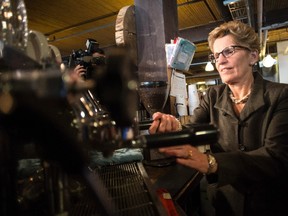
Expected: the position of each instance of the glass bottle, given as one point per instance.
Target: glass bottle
(13, 23)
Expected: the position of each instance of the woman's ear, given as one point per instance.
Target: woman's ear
(254, 56)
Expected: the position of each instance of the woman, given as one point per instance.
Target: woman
(247, 170)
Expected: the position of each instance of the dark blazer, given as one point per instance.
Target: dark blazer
(252, 149)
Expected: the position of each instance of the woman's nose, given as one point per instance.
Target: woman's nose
(221, 58)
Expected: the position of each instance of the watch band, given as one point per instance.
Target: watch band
(212, 164)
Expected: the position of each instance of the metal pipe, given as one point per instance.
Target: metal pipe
(248, 12)
(54, 39)
(82, 23)
(260, 21)
(275, 26)
(263, 51)
(198, 63)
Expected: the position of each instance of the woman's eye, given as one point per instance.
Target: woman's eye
(227, 52)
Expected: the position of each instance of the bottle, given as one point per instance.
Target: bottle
(14, 24)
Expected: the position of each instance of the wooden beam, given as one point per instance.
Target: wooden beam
(199, 33)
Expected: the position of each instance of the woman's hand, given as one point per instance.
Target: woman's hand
(186, 155)
(164, 123)
(189, 156)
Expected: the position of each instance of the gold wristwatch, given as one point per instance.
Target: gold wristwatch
(212, 164)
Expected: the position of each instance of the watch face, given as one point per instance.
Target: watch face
(211, 161)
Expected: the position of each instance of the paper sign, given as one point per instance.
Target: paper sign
(178, 84)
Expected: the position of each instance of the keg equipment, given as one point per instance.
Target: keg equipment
(49, 123)
(36, 133)
(36, 125)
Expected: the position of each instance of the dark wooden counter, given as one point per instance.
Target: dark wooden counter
(181, 182)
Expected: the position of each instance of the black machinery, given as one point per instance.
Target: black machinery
(49, 123)
(40, 123)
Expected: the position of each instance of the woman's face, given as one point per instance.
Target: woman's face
(237, 67)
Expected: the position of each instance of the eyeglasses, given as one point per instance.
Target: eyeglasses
(226, 52)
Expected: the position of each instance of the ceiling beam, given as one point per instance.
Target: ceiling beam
(199, 33)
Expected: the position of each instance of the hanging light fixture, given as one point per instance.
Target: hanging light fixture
(209, 66)
(268, 61)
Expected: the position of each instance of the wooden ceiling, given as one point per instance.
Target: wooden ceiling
(68, 23)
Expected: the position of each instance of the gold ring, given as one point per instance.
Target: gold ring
(190, 154)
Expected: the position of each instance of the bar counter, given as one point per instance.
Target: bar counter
(181, 182)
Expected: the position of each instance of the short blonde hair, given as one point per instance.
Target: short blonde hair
(243, 34)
